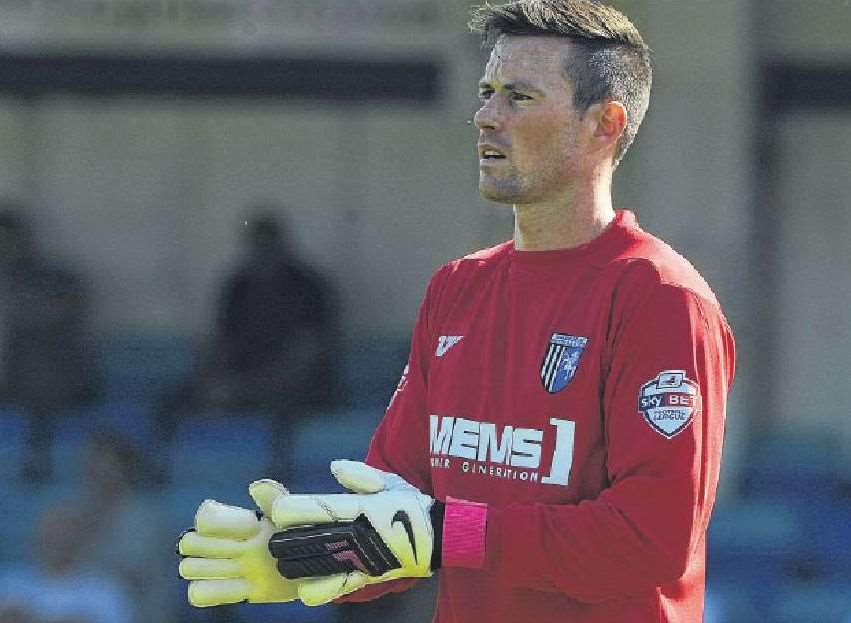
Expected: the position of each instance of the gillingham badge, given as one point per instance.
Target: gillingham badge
(561, 361)
(669, 402)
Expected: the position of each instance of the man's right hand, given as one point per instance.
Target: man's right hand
(226, 555)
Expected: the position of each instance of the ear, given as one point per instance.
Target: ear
(610, 118)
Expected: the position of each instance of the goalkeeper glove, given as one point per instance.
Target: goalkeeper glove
(227, 557)
(387, 529)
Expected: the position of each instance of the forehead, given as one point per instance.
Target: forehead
(528, 59)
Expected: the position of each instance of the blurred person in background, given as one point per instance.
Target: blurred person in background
(55, 587)
(12, 611)
(45, 360)
(110, 503)
(272, 343)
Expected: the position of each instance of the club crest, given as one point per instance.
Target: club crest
(561, 361)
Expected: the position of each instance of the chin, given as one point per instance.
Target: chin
(499, 193)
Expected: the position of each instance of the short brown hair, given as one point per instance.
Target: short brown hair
(611, 59)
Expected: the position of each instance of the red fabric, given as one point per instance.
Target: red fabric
(464, 527)
(598, 506)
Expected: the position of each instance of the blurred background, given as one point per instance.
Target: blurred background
(218, 217)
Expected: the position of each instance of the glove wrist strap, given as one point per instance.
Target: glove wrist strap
(437, 512)
(464, 532)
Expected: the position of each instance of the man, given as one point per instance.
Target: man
(554, 445)
(45, 355)
(273, 330)
(272, 339)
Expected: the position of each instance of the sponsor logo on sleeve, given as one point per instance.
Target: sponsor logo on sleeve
(669, 402)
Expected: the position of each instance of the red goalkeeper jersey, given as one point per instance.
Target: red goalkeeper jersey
(580, 394)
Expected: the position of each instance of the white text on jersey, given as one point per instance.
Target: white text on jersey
(479, 443)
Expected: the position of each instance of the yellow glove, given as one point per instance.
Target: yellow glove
(227, 554)
(399, 515)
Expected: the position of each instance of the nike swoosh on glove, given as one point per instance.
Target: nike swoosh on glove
(408, 522)
(226, 554)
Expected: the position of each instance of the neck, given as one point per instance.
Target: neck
(576, 218)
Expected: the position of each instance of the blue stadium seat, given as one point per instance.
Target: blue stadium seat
(730, 602)
(782, 465)
(370, 371)
(812, 603)
(325, 436)
(22, 507)
(132, 419)
(753, 544)
(829, 548)
(140, 365)
(189, 614)
(74, 427)
(213, 448)
(293, 612)
(14, 431)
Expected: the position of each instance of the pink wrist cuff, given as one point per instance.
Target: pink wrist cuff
(464, 529)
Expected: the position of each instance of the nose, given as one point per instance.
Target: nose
(487, 117)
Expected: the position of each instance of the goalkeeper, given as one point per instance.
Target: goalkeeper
(552, 450)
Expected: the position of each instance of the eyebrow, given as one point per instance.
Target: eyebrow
(517, 85)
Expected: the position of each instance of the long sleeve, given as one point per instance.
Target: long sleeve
(663, 397)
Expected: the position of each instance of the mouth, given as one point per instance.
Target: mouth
(490, 154)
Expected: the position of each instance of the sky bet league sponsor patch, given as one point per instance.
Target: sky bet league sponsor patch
(561, 361)
(669, 402)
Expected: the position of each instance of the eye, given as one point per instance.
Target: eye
(520, 97)
(485, 94)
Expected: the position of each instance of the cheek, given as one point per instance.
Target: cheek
(545, 144)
